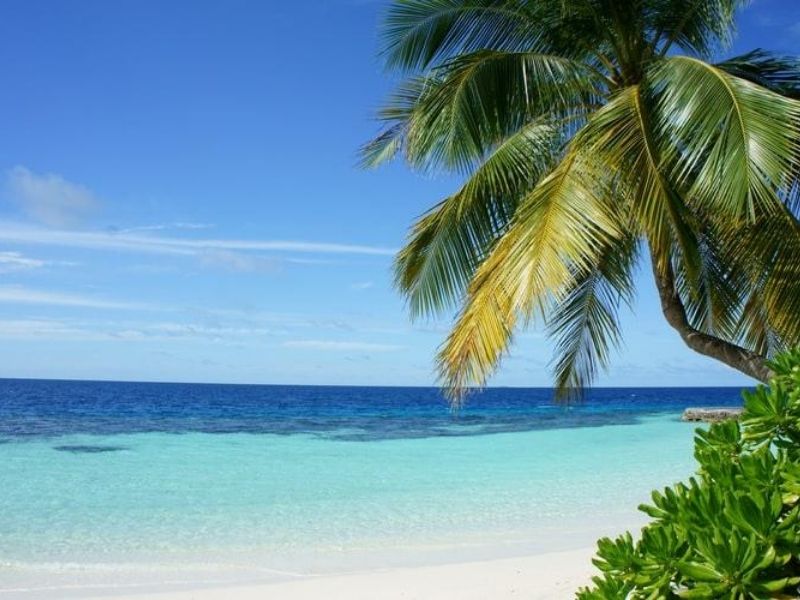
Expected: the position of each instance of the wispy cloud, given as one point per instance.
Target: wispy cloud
(72, 330)
(15, 261)
(110, 240)
(260, 318)
(163, 226)
(186, 331)
(49, 198)
(138, 330)
(183, 329)
(240, 262)
(40, 329)
(334, 346)
(11, 262)
(362, 285)
(22, 295)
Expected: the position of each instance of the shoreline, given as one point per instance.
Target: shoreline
(547, 576)
(547, 570)
(546, 565)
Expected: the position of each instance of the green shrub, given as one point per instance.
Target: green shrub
(733, 530)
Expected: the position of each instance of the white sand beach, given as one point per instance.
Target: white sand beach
(551, 576)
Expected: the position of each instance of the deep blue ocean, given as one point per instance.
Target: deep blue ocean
(32, 408)
(105, 485)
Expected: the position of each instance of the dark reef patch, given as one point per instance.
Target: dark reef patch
(86, 449)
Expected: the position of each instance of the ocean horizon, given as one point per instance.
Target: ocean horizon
(356, 385)
(110, 485)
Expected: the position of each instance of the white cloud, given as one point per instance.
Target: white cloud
(96, 240)
(280, 331)
(22, 295)
(16, 261)
(49, 198)
(239, 262)
(362, 285)
(163, 226)
(39, 328)
(130, 331)
(185, 331)
(332, 346)
(253, 317)
(185, 225)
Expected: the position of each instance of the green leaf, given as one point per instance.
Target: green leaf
(732, 144)
(699, 572)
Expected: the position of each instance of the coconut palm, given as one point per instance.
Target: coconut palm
(594, 135)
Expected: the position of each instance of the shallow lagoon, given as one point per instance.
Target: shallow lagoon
(142, 483)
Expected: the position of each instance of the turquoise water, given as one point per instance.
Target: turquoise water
(82, 509)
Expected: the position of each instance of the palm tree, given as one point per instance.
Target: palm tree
(591, 133)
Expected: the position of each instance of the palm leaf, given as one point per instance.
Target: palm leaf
(780, 74)
(447, 244)
(419, 33)
(452, 117)
(626, 143)
(585, 323)
(697, 26)
(396, 115)
(770, 251)
(714, 294)
(731, 144)
(560, 227)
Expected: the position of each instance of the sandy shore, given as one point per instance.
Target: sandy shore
(553, 576)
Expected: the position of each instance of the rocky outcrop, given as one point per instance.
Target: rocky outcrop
(711, 415)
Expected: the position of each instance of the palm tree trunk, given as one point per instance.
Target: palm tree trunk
(744, 360)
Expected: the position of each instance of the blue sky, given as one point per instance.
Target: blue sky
(179, 201)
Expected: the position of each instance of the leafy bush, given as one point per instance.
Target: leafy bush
(732, 531)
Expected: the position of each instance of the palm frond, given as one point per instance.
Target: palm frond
(699, 27)
(754, 328)
(770, 251)
(585, 323)
(731, 144)
(419, 33)
(780, 74)
(714, 294)
(396, 115)
(625, 141)
(451, 118)
(384, 147)
(560, 227)
(447, 244)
